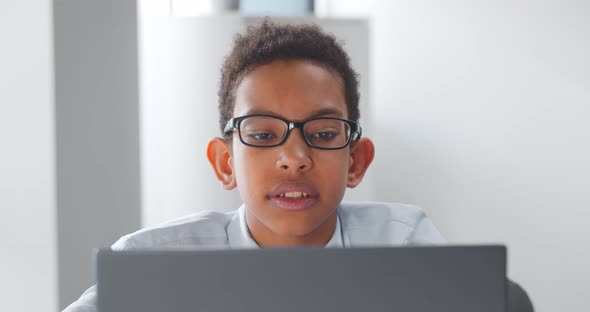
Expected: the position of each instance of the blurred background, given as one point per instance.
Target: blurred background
(479, 111)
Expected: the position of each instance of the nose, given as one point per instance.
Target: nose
(294, 155)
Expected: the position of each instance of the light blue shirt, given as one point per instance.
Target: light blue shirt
(358, 225)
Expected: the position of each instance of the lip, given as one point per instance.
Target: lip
(293, 204)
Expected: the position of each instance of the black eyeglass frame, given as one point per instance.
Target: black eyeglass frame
(355, 132)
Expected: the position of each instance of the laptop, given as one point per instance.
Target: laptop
(409, 279)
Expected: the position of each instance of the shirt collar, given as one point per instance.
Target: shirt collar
(239, 236)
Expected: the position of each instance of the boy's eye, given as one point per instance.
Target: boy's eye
(323, 136)
(261, 136)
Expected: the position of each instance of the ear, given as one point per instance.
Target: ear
(361, 156)
(220, 158)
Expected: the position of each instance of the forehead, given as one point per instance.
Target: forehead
(294, 89)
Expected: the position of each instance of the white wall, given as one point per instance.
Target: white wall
(482, 109)
(28, 278)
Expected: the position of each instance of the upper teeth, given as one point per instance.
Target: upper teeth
(295, 195)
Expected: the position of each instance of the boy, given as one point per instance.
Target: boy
(291, 144)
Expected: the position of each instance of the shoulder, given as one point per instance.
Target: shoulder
(376, 223)
(202, 229)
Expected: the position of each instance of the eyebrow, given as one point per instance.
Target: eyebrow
(316, 113)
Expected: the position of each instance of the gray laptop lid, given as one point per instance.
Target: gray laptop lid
(457, 279)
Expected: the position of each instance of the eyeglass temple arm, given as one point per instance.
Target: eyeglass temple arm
(229, 126)
(358, 130)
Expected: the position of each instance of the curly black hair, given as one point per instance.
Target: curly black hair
(270, 41)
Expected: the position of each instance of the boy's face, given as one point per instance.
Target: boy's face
(266, 177)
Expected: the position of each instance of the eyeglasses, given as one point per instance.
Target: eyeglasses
(326, 133)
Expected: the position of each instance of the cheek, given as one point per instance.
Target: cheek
(334, 167)
(250, 167)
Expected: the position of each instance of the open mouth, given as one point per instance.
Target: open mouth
(294, 195)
